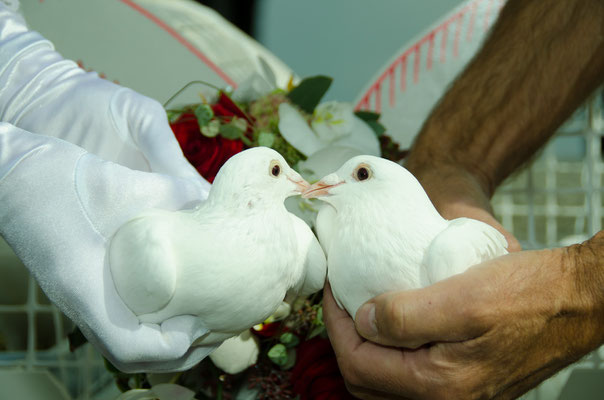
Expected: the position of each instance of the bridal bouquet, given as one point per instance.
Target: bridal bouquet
(288, 356)
(313, 137)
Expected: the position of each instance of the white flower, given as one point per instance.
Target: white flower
(237, 353)
(335, 134)
(332, 121)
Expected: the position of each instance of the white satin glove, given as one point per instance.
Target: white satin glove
(59, 206)
(42, 92)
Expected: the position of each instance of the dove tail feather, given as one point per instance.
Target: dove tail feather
(142, 265)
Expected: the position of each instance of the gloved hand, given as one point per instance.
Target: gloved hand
(60, 205)
(42, 92)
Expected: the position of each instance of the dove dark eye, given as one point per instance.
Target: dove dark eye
(362, 174)
(276, 170)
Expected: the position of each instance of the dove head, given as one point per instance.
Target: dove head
(258, 174)
(367, 179)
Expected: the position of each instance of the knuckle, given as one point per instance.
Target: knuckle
(393, 320)
(475, 314)
(350, 373)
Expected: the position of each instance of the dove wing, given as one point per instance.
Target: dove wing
(464, 243)
(325, 226)
(142, 267)
(315, 264)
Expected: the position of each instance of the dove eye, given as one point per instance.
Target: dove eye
(362, 173)
(275, 168)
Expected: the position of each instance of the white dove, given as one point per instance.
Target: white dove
(381, 233)
(230, 261)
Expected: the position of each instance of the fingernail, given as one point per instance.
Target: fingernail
(365, 320)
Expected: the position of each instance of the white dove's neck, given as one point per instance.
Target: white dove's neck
(248, 202)
(410, 216)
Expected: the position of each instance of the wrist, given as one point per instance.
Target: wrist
(448, 183)
(589, 269)
(432, 157)
(586, 261)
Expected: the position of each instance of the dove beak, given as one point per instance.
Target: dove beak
(321, 188)
(300, 183)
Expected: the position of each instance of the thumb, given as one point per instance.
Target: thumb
(144, 120)
(164, 154)
(161, 149)
(410, 319)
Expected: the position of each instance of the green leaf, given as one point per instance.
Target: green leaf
(371, 119)
(173, 115)
(291, 359)
(289, 340)
(230, 131)
(377, 128)
(278, 354)
(367, 115)
(310, 92)
(204, 114)
(246, 141)
(317, 330)
(239, 123)
(212, 129)
(319, 319)
(266, 139)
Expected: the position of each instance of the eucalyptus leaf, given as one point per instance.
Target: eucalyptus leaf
(291, 359)
(230, 131)
(246, 141)
(266, 139)
(212, 129)
(289, 340)
(319, 319)
(278, 354)
(318, 330)
(239, 123)
(204, 114)
(309, 92)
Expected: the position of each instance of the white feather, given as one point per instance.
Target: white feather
(465, 242)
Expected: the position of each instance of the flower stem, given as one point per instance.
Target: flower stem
(186, 86)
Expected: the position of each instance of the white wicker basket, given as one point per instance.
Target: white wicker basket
(557, 201)
(34, 352)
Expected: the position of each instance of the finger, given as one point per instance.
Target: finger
(487, 218)
(147, 124)
(129, 192)
(443, 312)
(339, 325)
(370, 370)
(163, 152)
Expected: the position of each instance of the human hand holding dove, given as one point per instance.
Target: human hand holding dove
(483, 333)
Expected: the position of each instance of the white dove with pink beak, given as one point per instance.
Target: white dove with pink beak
(230, 261)
(381, 233)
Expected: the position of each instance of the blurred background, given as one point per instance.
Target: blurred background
(556, 201)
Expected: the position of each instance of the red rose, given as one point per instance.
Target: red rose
(206, 154)
(316, 375)
(227, 108)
